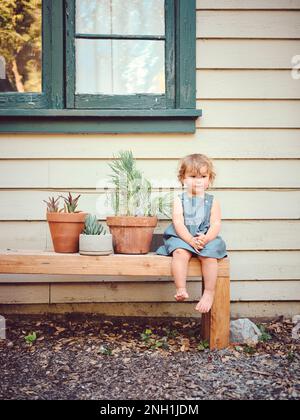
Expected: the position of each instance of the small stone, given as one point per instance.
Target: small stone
(244, 331)
(296, 332)
(296, 319)
(65, 368)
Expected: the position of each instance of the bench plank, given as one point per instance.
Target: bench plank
(119, 292)
(39, 262)
(22, 294)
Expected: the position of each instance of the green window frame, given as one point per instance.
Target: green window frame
(58, 109)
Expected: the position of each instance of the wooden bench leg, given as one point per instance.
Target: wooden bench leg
(216, 323)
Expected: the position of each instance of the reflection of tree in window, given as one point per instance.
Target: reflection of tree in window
(122, 17)
(20, 45)
(120, 66)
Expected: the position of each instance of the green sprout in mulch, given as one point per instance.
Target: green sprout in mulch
(30, 338)
(203, 345)
(265, 336)
(291, 356)
(249, 350)
(152, 342)
(171, 333)
(105, 350)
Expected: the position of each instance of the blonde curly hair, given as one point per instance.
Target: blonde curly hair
(192, 164)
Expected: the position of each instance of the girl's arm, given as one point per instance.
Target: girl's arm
(178, 221)
(215, 222)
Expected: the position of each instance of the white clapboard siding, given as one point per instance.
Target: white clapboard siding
(248, 24)
(223, 143)
(89, 173)
(265, 309)
(248, 4)
(249, 113)
(267, 265)
(238, 234)
(24, 235)
(261, 291)
(252, 204)
(24, 172)
(246, 53)
(250, 84)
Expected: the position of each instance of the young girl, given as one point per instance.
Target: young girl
(194, 232)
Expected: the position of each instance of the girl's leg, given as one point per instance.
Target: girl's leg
(210, 273)
(179, 267)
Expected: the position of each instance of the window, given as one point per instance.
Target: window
(21, 55)
(97, 66)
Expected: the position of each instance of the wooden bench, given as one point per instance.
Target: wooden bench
(214, 325)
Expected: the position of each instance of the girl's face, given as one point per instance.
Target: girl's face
(197, 182)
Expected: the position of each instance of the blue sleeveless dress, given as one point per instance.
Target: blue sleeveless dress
(196, 212)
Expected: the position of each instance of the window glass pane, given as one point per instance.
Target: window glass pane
(122, 17)
(120, 66)
(20, 45)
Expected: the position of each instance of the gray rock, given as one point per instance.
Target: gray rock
(296, 332)
(244, 331)
(296, 319)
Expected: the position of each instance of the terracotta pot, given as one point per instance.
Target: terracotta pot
(65, 229)
(131, 234)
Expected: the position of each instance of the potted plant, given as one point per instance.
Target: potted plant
(136, 211)
(94, 240)
(65, 224)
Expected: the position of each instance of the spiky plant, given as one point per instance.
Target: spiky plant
(92, 226)
(132, 192)
(70, 203)
(126, 178)
(52, 204)
(162, 205)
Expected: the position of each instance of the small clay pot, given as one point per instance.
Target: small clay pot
(65, 229)
(132, 234)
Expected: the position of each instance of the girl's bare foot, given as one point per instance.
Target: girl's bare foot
(181, 294)
(205, 303)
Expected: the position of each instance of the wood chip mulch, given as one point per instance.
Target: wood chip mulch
(107, 358)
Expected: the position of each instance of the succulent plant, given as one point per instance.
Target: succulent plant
(52, 204)
(70, 203)
(92, 226)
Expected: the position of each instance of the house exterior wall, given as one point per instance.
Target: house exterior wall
(251, 129)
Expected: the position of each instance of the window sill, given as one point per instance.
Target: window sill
(98, 121)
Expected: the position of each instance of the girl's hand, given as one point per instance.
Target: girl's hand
(201, 240)
(198, 242)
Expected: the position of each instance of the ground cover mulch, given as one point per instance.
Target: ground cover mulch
(109, 358)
